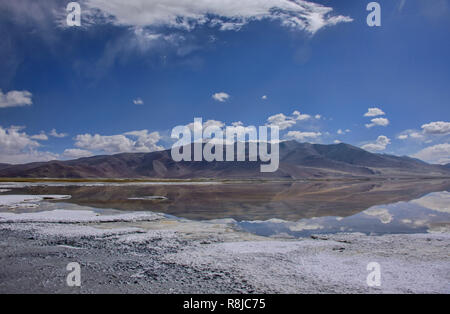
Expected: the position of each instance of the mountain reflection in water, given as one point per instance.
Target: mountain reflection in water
(249, 201)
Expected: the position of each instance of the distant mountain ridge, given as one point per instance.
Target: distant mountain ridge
(297, 161)
(4, 165)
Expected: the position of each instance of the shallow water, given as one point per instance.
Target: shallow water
(430, 213)
(290, 209)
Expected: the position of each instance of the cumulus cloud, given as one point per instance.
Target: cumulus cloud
(135, 141)
(28, 156)
(264, 97)
(222, 97)
(18, 147)
(437, 154)
(238, 129)
(439, 127)
(196, 125)
(374, 112)
(378, 122)
(380, 144)
(282, 121)
(300, 117)
(54, 133)
(138, 101)
(411, 134)
(285, 122)
(15, 98)
(226, 15)
(40, 137)
(108, 144)
(303, 136)
(75, 153)
(13, 140)
(341, 132)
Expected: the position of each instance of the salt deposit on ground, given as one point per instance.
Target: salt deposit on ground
(27, 201)
(148, 252)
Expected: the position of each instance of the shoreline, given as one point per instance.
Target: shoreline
(210, 180)
(151, 253)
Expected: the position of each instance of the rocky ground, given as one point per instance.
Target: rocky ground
(150, 253)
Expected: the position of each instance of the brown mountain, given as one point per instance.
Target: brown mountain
(297, 161)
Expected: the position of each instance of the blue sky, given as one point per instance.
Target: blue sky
(136, 69)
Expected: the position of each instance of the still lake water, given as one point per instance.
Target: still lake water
(293, 209)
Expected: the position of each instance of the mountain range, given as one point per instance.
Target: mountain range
(297, 161)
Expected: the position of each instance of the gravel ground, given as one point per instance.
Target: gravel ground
(154, 254)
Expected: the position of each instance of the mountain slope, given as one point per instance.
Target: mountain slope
(297, 161)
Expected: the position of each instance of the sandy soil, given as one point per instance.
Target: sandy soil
(149, 253)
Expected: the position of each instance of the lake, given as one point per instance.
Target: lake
(292, 209)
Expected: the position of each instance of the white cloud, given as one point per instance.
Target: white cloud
(340, 131)
(15, 98)
(12, 140)
(411, 134)
(282, 121)
(138, 101)
(439, 127)
(300, 117)
(208, 123)
(318, 116)
(416, 135)
(380, 144)
(135, 141)
(197, 126)
(18, 147)
(222, 97)
(28, 156)
(226, 15)
(378, 122)
(374, 112)
(75, 153)
(437, 154)
(54, 133)
(337, 142)
(285, 122)
(264, 97)
(303, 136)
(40, 137)
(109, 144)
